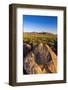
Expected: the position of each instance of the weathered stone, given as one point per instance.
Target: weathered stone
(40, 60)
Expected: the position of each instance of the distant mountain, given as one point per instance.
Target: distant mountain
(48, 33)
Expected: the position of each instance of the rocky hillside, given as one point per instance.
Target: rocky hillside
(39, 59)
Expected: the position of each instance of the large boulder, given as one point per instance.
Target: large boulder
(26, 49)
(30, 65)
(40, 60)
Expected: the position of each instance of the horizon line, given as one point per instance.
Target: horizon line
(39, 32)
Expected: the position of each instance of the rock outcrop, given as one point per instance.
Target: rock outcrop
(40, 60)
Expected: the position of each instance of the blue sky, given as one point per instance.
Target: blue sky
(34, 23)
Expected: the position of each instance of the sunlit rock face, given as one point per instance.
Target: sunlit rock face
(39, 60)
